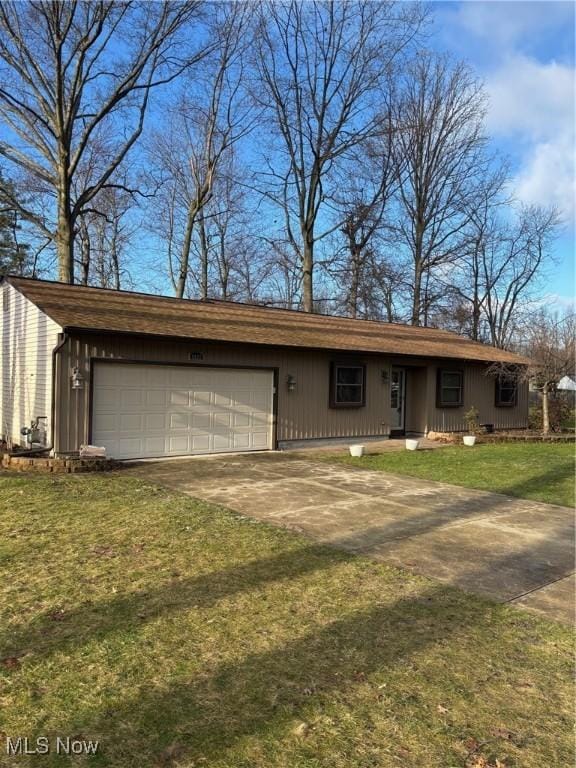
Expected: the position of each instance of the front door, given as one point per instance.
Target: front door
(397, 399)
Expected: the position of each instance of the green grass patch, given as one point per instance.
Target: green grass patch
(538, 471)
(180, 634)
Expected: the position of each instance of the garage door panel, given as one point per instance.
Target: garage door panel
(154, 446)
(259, 440)
(108, 423)
(149, 410)
(222, 400)
(131, 422)
(241, 441)
(178, 444)
(241, 420)
(108, 398)
(129, 446)
(179, 397)
(129, 397)
(222, 420)
(179, 421)
(123, 375)
(201, 398)
(201, 420)
(154, 421)
(200, 444)
(155, 397)
(222, 441)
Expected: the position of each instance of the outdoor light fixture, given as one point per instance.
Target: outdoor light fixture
(77, 379)
(291, 382)
(384, 375)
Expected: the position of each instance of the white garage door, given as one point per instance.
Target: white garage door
(162, 410)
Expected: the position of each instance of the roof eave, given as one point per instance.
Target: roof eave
(338, 350)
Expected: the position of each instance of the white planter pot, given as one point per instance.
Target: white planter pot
(412, 445)
(469, 439)
(357, 450)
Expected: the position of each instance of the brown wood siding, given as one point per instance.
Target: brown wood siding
(301, 414)
(478, 392)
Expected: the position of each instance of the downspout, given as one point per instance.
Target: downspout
(55, 352)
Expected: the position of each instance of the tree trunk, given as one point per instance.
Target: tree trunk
(475, 298)
(355, 283)
(475, 321)
(65, 237)
(545, 410)
(223, 269)
(85, 252)
(307, 269)
(416, 299)
(203, 259)
(115, 263)
(185, 252)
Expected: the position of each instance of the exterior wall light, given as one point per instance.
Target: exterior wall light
(385, 375)
(77, 380)
(291, 382)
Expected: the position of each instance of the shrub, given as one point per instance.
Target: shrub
(561, 415)
(471, 419)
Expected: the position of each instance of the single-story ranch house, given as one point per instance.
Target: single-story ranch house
(150, 376)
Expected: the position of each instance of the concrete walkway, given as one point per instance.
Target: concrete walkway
(509, 549)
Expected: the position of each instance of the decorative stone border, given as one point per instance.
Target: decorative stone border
(505, 437)
(56, 465)
(551, 437)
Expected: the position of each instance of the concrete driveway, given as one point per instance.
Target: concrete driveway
(512, 550)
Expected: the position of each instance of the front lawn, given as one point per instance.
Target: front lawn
(538, 471)
(180, 634)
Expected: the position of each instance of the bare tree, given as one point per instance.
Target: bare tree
(211, 115)
(511, 265)
(321, 66)
(104, 237)
(366, 189)
(549, 342)
(471, 280)
(226, 242)
(76, 73)
(440, 153)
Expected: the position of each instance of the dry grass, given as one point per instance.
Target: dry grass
(180, 634)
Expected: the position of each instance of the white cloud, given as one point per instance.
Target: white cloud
(511, 23)
(547, 176)
(530, 98)
(532, 105)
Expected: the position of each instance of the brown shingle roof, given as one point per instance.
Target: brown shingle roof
(98, 309)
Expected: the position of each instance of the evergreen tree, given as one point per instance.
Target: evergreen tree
(14, 256)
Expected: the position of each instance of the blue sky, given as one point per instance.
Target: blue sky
(524, 52)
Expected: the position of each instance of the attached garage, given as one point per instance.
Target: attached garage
(163, 410)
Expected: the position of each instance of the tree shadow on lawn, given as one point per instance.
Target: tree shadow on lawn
(274, 689)
(265, 691)
(563, 470)
(269, 692)
(48, 632)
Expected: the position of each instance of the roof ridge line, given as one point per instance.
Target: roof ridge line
(10, 278)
